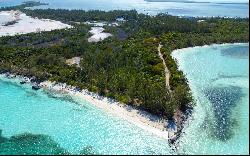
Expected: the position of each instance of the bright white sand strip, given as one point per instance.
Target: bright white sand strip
(142, 119)
(6, 17)
(26, 24)
(96, 24)
(98, 34)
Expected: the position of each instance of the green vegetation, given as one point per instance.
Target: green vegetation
(128, 70)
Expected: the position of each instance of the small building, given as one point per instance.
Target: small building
(200, 21)
(120, 19)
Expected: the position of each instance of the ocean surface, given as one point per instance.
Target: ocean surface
(152, 7)
(43, 122)
(219, 79)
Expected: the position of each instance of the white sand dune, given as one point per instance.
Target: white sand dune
(98, 34)
(6, 17)
(26, 24)
(97, 30)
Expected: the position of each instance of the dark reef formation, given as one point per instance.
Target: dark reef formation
(28, 144)
(223, 100)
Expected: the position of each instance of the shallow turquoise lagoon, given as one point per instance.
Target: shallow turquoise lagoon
(65, 125)
(219, 80)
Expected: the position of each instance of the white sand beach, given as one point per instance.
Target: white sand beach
(98, 34)
(142, 119)
(25, 24)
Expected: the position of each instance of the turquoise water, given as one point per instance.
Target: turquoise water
(219, 80)
(57, 123)
(50, 123)
(145, 6)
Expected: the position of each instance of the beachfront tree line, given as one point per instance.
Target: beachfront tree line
(127, 70)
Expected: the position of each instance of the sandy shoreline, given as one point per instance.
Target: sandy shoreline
(142, 119)
(209, 45)
(26, 24)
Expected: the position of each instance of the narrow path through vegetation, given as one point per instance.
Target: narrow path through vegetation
(167, 72)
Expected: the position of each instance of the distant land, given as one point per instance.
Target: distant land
(188, 1)
(180, 1)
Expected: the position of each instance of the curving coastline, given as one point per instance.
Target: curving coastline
(208, 93)
(140, 118)
(207, 45)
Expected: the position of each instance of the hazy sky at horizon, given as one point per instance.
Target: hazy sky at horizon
(225, 1)
(218, 1)
(238, 1)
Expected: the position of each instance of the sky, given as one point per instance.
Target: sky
(238, 1)
(224, 1)
(220, 1)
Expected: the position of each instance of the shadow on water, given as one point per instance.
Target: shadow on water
(63, 97)
(223, 76)
(88, 150)
(31, 94)
(239, 52)
(2, 139)
(27, 144)
(231, 76)
(17, 85)
(223, 100)
(10, 83)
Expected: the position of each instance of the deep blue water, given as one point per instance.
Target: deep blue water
(142, 6)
